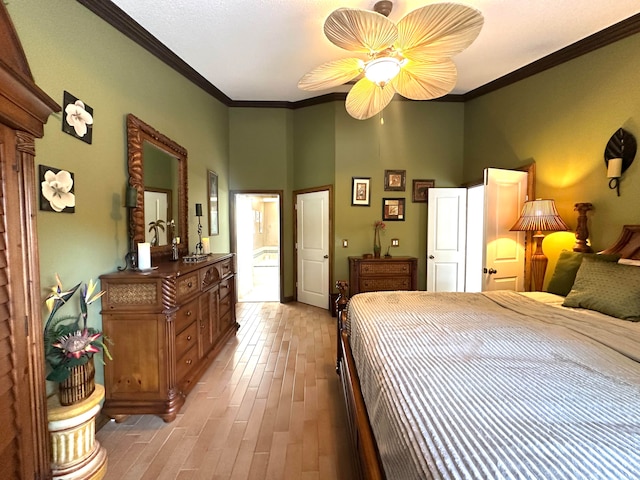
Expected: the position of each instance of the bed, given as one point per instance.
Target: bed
(499, 384)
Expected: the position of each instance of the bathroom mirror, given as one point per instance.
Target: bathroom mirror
(158, 171)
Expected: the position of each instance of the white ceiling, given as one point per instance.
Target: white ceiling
(257, 50)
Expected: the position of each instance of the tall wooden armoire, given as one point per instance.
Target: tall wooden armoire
(24, 109)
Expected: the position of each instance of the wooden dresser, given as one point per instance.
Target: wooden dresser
(167, 326)
(375, 274)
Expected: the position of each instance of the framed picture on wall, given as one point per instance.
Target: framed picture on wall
(421, 190)
(77, 119)
(394, 180)
(393, 209)
(360, 193)
(56, 190)
(212, 195)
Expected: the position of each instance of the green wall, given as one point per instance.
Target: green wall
(425, 139)
(314, 145)
(562, 120)
(69, 48)
(261, 158)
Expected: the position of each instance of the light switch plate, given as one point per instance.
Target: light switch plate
(395, 242)
(345, 243)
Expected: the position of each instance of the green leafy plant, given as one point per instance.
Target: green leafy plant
(68, 341)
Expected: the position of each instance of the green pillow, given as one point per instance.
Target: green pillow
(607, 287)
(567, 267)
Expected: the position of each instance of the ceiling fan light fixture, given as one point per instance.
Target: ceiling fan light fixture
(382, 70)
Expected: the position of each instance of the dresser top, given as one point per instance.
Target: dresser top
(169, 268)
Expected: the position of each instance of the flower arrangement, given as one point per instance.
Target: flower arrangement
(378, 225)
(68, 345)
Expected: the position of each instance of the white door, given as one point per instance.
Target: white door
(446, 239)
(475, 239)
(312, 242)
(505, 193)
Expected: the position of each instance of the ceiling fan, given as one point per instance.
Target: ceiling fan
(412, 57)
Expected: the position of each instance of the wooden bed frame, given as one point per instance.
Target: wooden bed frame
(368, 462)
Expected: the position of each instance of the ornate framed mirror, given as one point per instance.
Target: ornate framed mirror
(157, 164)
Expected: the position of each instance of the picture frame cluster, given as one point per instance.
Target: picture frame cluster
(393, 209)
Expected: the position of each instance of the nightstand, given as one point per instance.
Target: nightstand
(377, 274)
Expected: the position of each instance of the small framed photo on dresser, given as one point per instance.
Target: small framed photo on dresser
(393, 209)
(360, 192)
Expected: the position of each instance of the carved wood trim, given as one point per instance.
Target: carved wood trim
(137, 133)
(24, 109)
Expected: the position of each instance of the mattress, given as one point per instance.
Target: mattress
(497, 385)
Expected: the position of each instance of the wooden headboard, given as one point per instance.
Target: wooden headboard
(628, 244)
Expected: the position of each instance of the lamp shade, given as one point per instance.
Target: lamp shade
(382, 70)
(540, 216)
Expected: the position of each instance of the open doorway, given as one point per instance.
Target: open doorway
(256, 234)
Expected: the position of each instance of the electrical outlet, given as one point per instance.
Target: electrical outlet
(345, 243)
(395, 242)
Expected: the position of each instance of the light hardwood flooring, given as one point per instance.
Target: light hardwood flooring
(269, 407)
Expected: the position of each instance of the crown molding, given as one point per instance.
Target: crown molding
(118, 19)
(605, 37)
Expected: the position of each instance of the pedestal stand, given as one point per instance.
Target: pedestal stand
(75, 453)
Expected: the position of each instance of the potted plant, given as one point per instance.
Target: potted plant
(70, 344)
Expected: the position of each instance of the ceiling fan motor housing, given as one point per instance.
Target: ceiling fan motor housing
(383, 7)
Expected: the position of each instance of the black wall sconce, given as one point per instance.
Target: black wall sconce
(618, 156)
(130, 202)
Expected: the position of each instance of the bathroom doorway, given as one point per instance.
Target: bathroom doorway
(256, 235)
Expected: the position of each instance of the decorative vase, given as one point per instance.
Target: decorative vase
(79, 385)
(376, 244)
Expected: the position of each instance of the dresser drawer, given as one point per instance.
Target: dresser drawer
(380, 284)
(385, 268)
(186, 339)
(209, 276)
(225, 321)
(186, 315)
(225, 288)
(185, 363)
(225, 303)
(225, 267)
(187, 286)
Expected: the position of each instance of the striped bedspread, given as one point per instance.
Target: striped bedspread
(495, 385)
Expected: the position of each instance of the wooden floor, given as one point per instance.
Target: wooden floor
(269, 407)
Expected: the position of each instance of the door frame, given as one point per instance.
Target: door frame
(331, 242)
(232, 227)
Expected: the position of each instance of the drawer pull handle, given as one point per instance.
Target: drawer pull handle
(188, 338)
(224, 285)
(188, 362)
(188, 313)
(202, 325)
(190, 284)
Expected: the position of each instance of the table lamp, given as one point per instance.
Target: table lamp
(539, 216)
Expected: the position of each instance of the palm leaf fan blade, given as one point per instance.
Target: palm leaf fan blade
(366, 99)
(360, 30)
(331, 74)
(426, 80)
(438, 30)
